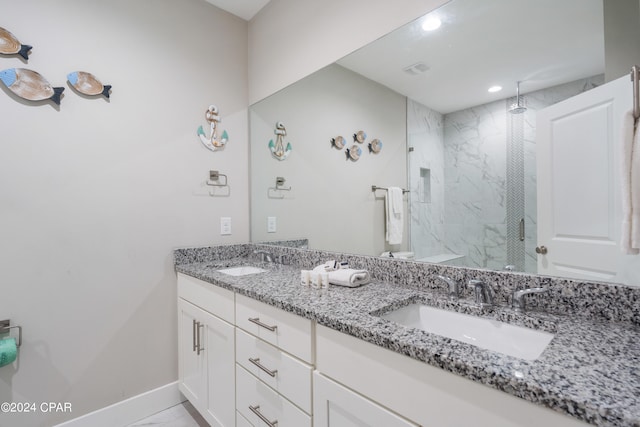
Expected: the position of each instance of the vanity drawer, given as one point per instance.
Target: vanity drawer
(242, 421)
(285, 374)
(262, 406)
(208, 297)
(284, 330)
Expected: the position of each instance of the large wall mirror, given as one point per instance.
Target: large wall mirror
(465, 155)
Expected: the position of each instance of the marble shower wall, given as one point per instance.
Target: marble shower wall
(465, 153)
(425, 136)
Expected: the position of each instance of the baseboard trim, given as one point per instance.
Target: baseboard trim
(130, 410)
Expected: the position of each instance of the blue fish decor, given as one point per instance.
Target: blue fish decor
(30, 85)
(88, 84)
(9, 45)
(375, 146)
(212, 142)
(277, 149)
(354, 152)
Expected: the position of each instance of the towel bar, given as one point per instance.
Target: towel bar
(214, 181)
(272, 191)
(375, 187)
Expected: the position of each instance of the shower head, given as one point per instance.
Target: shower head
(517, 108)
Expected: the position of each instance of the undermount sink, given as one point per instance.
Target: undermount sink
(242, 271)
(516, 341)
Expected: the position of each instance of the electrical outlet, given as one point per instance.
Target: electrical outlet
(271, 224)
(225, 226)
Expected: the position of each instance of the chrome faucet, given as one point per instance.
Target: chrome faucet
(264, 255)
(454, 287)
(483, 293)
(518, 301)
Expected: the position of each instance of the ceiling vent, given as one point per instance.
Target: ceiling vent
(415, 69)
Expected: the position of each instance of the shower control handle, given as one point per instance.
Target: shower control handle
(542, 250)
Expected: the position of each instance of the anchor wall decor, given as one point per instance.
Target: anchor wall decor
(277, 149)
(212, 142)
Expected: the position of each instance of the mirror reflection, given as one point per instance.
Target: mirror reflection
(453, 97)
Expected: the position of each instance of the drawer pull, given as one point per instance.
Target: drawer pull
(257, 321)
(256, 410)
(256, 362)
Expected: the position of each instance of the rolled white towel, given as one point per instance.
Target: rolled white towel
(349, 277)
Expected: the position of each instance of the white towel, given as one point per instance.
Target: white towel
(349, 277)
(630, 170)
(394, 207)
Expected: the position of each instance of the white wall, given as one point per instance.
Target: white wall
(96, 194)
(290, 39)
(330, 202)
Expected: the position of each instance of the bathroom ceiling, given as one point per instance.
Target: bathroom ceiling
(245, 9)
(542, 43)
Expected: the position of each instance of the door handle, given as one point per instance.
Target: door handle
(542, 250)
(194, 331)
(199, 346)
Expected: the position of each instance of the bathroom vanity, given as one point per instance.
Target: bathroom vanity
(259, 349)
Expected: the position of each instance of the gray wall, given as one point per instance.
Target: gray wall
(331, 202)
(96, 194)
(621, 37)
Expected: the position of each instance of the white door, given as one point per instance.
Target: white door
(337, 406)
(579, 207)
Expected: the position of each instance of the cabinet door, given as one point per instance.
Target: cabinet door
(336, 406)
(219, 344)
(206, 364)
(191, 366)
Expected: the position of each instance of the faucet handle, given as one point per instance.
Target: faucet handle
(455, 287)
(483, 293)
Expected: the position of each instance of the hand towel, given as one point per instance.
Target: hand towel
(394, 207)
(349, 277)
(630, 183)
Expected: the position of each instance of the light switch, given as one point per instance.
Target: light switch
(271, 224)
(225, 226)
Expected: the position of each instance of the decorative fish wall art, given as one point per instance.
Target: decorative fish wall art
(30, 85)
(9, 45)
(88, 84)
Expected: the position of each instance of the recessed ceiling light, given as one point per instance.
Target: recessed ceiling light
(493, 89)
(431, 23)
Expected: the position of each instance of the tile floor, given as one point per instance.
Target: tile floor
(182, 415)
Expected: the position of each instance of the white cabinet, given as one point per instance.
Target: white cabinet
(337, 406)
(284, 330)
(282, 372)
(206, 352)
(274, 352)
(262, 406)
(422, 393)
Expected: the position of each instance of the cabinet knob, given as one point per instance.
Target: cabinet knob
(542, 250)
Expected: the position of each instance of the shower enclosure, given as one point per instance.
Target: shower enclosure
(472, 177)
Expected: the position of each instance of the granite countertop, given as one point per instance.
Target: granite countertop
(590, 370)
